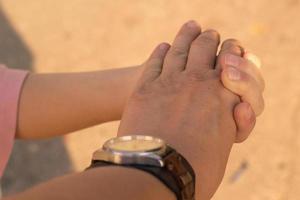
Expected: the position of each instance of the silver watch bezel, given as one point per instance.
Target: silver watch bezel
(153, 157)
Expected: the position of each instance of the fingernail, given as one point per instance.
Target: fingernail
(232, 60)
(192, 24)
(233, 73)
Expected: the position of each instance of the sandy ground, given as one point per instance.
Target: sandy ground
(80, 35)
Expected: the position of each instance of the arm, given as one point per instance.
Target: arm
(56, 104)
(180, 98)
(198, 123)
(100, 183)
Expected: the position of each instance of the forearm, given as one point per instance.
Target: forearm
(113, 183)
(56, 104)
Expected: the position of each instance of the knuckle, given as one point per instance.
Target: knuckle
(154, 62)
(241, 87)
(179, 52)
(212, 33)
(232, 41)
(229, 49)
(168, 79)
(206, 39)
(197, 75)
(171, 82)
(232, 45)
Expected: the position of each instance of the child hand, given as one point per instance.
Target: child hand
(242, 76)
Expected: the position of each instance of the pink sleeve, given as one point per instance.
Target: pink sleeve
(11, 82)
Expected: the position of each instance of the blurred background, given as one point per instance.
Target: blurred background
(81, 35)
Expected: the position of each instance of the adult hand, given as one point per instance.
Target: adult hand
(181, 99)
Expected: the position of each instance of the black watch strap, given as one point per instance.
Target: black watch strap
(177, 174)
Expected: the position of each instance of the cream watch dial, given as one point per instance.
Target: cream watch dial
(136, 143)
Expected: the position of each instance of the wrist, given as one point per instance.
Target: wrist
(207, 155)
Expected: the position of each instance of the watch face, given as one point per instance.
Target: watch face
(136, 143)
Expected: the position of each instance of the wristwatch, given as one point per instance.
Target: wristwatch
(151, 155)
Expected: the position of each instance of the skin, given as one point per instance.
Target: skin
(100, 183)
(62, 104)
(67, 102)
(243, 77)
(178, 93)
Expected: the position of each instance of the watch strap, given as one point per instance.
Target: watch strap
(177, 174)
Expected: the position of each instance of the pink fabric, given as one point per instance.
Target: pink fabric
(11, 82)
